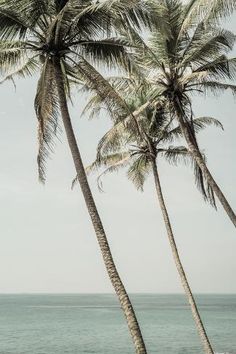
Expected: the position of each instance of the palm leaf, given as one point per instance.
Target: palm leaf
(138, 171)
(46, 107)
(207, 11)
(210, 45)
(12, 55)
(180, 154)
(203, 122)
(26, 69)
(220, 68)
(109, 52)
(111, 163)
(216, 87)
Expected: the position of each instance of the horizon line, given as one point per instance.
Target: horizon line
(110, 293)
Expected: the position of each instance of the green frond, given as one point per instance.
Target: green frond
(204, 188)
(172, 12)
(175, 155)
(88, 19)
(180, 154)
(203, 122)
(17, 18)
(66, 72)
(138, 171)
(98, 84)
(164, 43)
(11, 26)
(114, 159)
(169, 135)
(211, 9)
(28, 68)
(209, 12)
(93, 107)
(46, 107)
(110, 52)
(123, 84)
(135, 12)
(110, 163)
(220, 68)
(216, 88)
(114, 163)
(112, 141)
(211, 44)
(12, 55)
(81, 20)
(27, 8)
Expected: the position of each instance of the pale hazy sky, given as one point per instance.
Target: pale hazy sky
(47, 243)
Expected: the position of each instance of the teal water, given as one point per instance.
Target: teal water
(79, 324)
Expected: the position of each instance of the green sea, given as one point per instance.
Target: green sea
(79, 324)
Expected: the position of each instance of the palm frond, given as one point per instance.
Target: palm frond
(28, 68)
(211, 44)
(123, 84)
(138, 171)
(98, 84)
(203, 186)
(216, 87)
(180, 154)
(207, 11)
(111, 160)
(12, 55)
(175, 155)
(110, 163)
(135, 12)
(220, 68)
(46, 107)
(214, 9)
(112, 141)
(112, 168)
(203, 122)
(110, 52)
(93, 107)
(18, 17)
(199, 124)
(11, 26)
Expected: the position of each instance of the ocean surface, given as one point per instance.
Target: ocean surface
(79, 324)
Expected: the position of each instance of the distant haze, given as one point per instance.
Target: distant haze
(47, 243)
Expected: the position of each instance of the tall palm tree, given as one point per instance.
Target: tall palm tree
(123, 146)
(62, 39)
(187, 57)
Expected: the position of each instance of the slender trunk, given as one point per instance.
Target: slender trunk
(201, 163)
(184, 280)
(96, 221)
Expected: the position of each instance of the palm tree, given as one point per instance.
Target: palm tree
(124, 146)
(189, 56)
(62, 39)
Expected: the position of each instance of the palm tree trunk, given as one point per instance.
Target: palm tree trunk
(201, 163)
(113, 274)
(179, 266)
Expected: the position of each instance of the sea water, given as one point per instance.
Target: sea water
(82, 324)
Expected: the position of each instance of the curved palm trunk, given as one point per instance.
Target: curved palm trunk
(96, 221)
(201, 163)
(184, 280)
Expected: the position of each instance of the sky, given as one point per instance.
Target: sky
(47, 243)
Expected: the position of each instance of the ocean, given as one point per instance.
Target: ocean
(79, 324)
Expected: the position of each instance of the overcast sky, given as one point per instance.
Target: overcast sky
(47, 243)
